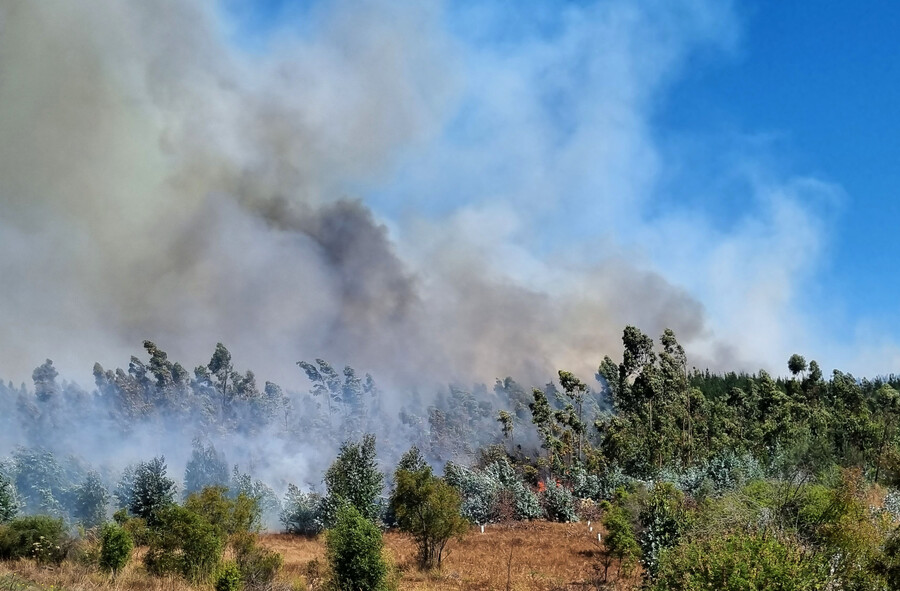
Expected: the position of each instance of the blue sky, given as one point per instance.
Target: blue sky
(713, 117)
(824, 82)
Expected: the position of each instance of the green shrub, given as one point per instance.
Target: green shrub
(43, 484)
(354, 552)
(91, 499)
(206, 468)
(558, 503)
(429, 509)
(9, 506)
(302, 513)
(184, 543)
(226, 514)
(525, 504)
(663, 518)
(479, 492)
(137, 528)
(116, 545)
(148, 491)
(229, 578)
(36, 536)
(739, 562)
(354, 478)
(620, 542)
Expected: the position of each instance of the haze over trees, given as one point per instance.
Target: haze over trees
(801, 472)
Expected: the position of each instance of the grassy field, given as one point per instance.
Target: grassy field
(518, 557)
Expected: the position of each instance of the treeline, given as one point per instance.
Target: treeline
(155, 399)
(699, 480)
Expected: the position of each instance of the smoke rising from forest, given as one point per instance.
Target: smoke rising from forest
(161, 178)
(159, 183)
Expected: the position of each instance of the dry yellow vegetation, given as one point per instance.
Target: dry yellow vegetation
(518, 557)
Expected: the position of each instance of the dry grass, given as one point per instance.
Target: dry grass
(71, 576)
(515, 557)
(518, 557)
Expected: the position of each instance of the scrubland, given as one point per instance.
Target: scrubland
(518, 556)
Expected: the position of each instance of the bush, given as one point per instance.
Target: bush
(266, 500)
(526, 504)
(42, 484)
(354, 478)
(740, 561)
(229, 578)
(558, 503)
(429, 509)
(478, 490)
(620, 543)
(135, 526)
(663, 518)
(493, 494)
(8, 504)
(892, 504)
(116, 545)
(206, 468)
(354, 552)
(91, 499)
(227, 515)
(302, 513)
(584, 485)
(150, 491)
(184, 543)
(36, 536)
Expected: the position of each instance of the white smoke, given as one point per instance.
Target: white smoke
(401, 186)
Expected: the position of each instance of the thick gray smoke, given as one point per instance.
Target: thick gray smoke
(156, 182)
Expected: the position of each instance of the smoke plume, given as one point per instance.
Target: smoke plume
(160, 182)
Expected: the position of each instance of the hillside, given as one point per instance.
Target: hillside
(529, 556)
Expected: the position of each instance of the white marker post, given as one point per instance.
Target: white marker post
(482, 529)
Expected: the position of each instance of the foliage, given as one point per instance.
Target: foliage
(892, 504)
(183, 542)
(302, 512)
(354, 552)
(559, 505)
(34, 536)
(354, 479)
(43, 484)
(228, 515)
(525, 503)
(115, 547)
(9, 505)
(91, 500)
(229, 578)
(429, 509)
(207, 467)
(484, 491)
(620, 542)
(477, 489)
(135, 526)
(741, 561)
(267, 501)
(663, 519)
(149, 491)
